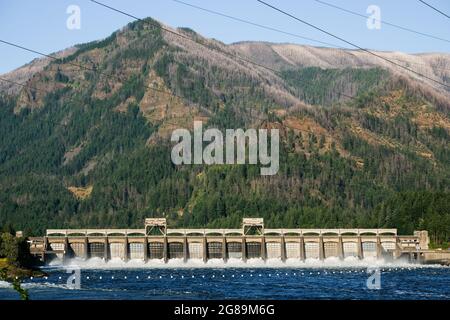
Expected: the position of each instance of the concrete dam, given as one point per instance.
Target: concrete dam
(252, 240)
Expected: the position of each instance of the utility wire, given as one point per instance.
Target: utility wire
(24, 85)
(381, 21)
(73, 64)
(257, 24)
(101, 73)
(331, 45)
(352, 44)
(157, 25)
(177, 34)
(435, 9)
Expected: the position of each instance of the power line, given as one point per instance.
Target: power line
(382, 21)
(79, 66)
(435, 9)
(36, 52)
(155, 89)
(199, 43)
(101, 73)
(333, 46)
(171, 31)
(421, 64)
(23, 85)
(352, 44)
(258, 25)
(157, 25)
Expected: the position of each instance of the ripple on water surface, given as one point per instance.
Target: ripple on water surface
(329, 279)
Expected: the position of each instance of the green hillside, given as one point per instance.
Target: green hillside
(93, 149)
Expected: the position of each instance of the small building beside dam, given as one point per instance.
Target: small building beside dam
(252, 240)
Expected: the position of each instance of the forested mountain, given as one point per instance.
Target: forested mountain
(87, 143)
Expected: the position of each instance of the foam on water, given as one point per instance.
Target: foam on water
(349, 262)
(30, 285)
(41, 285)
(331, 278)
(5, 285)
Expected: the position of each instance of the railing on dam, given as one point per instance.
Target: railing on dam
(221, 232)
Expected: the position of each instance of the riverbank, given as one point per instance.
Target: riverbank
(11, 271)
(13, 274)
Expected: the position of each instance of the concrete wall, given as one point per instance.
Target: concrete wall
(206, 247)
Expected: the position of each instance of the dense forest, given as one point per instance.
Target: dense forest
(94, 150)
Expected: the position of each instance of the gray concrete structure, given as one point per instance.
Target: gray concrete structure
(252, 240)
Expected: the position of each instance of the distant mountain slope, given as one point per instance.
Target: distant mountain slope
(433, 65)
(24, 73)
(91, 147)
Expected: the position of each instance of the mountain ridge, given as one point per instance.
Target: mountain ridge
(443, 58)
(343, 161)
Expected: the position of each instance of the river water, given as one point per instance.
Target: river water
(329, 279)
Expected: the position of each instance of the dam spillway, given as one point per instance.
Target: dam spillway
(252, 240)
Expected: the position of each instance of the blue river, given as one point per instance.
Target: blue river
(257, 280)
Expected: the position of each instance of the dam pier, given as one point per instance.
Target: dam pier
(252, 240)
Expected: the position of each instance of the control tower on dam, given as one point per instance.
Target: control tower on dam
(252, 240)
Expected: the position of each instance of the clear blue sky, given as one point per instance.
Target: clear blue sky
(41, 24)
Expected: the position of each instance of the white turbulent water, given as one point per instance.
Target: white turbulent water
(7, 285)
(46, 285)
(349, 262)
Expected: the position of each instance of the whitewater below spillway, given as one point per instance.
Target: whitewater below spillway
(349, 262)
(254, 279)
